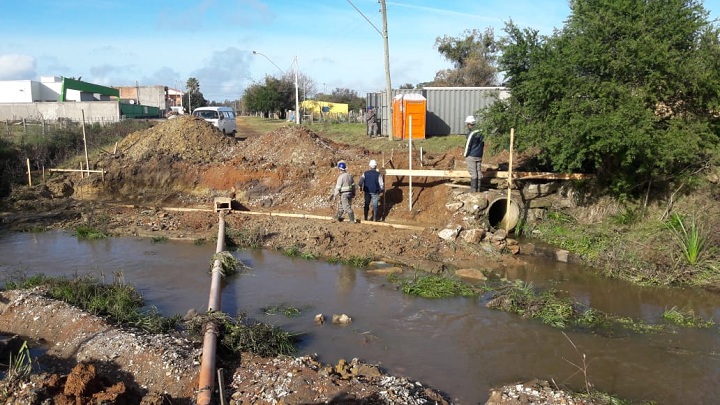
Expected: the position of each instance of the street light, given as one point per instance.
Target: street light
(297, 99)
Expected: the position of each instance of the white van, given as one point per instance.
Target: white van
(222, 117)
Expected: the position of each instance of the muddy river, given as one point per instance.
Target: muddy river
(456, 345)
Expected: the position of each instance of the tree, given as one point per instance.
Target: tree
(474, 57)
(274, 96)
(407, 86)
(193, 97)
(628, 90)
(349, 97)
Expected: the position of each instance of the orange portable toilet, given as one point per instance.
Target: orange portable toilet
(405, 106)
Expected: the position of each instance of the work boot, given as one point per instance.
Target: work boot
(479, 184)
(473, 185)
(351, 217)
(365, 213)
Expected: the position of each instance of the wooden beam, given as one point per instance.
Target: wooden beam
(488, 173)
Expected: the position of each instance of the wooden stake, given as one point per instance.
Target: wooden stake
(29, 175)
(410, 160)
(507, 210)
(87, 162)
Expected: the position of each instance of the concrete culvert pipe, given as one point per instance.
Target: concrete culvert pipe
(502, 217)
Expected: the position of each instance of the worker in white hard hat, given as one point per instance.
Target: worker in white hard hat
(345, 189)
(474, 146)
(371, 183)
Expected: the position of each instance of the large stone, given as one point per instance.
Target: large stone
(449, 234)
(474, 274)
(454, 207)
(473, 235)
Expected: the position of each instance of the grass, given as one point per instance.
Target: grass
(229, 265)
(245, 238)
(434, 286)
(89, 232)
(283, 309)
(243, 334)
(555, 309)
(296, 251)
(686, 318)
(20, 365)
(118, 302)
(690, 238)
(160, 239)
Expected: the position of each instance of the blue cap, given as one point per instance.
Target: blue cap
(342, 166)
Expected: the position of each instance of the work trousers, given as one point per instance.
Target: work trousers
(345, 206)
(474, 168)
(371, 198)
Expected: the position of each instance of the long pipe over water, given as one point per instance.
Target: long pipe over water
(207, 366)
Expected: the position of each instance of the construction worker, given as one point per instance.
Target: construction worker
(371, 119)
(474, 146)
(371, 183)
(345, 189)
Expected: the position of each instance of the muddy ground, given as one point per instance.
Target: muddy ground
(162, 182)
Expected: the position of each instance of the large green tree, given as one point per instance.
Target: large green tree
(627, 89)
(273, 96)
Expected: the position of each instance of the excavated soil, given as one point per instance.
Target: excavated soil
(162, 182)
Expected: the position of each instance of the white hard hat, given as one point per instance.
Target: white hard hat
(373, 164)
(470, 119)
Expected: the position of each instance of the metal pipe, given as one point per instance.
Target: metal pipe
(206, 384)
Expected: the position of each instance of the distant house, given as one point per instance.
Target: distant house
(56, 97)
(316, 107)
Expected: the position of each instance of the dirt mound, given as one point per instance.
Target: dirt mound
(186, 137)
(291, 146)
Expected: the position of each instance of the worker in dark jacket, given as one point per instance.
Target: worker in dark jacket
(371, 183)
(474, 145)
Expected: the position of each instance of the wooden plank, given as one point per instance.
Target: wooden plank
(488, 173)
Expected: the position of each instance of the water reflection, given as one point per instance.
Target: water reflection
(455, 345)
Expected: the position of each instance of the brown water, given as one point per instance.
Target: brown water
(455, 345)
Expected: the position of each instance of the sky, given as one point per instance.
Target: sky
(336, 43)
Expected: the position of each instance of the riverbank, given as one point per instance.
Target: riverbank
(162, 184)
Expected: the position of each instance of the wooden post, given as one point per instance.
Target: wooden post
(507, 209)
(43, 173)
(115, 150)
(29, 175)
(87, 162)
(81, 171)
(410, 159)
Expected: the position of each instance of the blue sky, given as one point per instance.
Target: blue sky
(151, 42)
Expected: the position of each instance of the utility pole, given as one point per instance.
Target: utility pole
(297, 98)
(387, 114)
(388, 86)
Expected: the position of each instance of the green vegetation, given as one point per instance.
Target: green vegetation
(627, 90)
(296, 251)
(88, 232)
(686, 318)
(159, 239)
(229, 265)
(283, 309)
(20, 365)
(552, 308)
(247, 335)
(433, 286)
(245, 238)
(690, 239)
(118, 302)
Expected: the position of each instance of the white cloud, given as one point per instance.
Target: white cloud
(17, 67)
